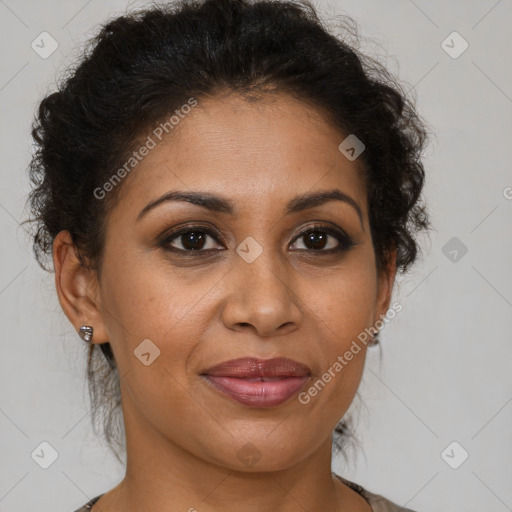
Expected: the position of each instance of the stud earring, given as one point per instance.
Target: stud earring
(85, 332)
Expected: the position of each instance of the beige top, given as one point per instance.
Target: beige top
(377, 502)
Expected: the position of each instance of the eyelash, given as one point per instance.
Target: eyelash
(345, 242)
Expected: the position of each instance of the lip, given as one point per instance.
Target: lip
(258, 382)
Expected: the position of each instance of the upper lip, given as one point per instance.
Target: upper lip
(254, 367)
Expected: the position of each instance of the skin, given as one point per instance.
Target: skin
(183, 436)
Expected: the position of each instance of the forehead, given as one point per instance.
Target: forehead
(263, 151)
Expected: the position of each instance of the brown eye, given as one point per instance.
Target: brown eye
(324, 240)
(315, 240)
(193, 240)
(190, 240)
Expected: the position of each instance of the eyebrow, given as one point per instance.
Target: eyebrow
(219, 204)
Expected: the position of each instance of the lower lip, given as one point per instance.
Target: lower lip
(259, 393)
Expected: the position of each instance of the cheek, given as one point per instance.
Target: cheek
(341, 307)
(149, 305)
(153, 305)
(345, 301)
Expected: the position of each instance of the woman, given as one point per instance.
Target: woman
(227, 192)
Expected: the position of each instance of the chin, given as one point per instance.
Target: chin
(259, 454)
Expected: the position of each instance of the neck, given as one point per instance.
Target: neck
(161, 475)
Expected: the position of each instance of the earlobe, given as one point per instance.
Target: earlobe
(77, 288)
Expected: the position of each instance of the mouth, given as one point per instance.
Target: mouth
(258, 382)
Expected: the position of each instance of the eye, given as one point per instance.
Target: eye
(324, 240)
(193, 239)
(198, 240)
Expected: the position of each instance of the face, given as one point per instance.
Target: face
(199, 286)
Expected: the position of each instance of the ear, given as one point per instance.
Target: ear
(386, 280)
(77, 288)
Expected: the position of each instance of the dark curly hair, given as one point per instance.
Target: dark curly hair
(145, 64)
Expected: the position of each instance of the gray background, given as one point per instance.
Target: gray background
(445, 373)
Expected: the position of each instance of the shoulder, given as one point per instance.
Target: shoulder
(377, 502)
(87, 506)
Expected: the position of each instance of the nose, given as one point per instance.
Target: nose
(261, 298)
